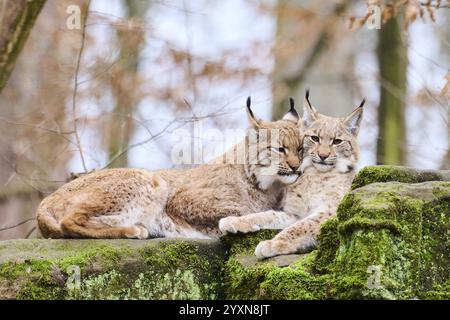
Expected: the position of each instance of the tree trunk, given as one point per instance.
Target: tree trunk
(131, 42)
(17, 18)
(446, 161)
(291, 69)
(392, 61)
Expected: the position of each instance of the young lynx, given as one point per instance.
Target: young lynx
(135, 203)
(330, 155)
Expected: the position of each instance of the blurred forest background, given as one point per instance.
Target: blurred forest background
(114, 91)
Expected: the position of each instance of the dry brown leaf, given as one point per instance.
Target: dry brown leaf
(445, 91)
(388, 13)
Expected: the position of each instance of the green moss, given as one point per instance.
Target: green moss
(389, 241)
(244, 282)
(413, 254)
(121, 270)
(146, 286)
(386, 173)
(297, 282)
(354, 224)
(328, 240)
(435, 248)
(246, 243)
(265, 280)
(181, 262)
(437, 292)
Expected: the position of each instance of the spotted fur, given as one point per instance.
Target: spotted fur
(330, 156)
(331, 153)
(136, 203)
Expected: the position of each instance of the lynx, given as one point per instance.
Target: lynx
(137, 203)
(330, 156)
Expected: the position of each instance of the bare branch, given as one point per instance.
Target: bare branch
(75, 89)
(434, 5)
(30, 232)
(17, 224)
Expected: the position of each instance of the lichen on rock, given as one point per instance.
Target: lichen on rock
(390, 240)
(372, 174)
(110, 269)
(400, 233)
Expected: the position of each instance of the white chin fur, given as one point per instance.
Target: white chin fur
(265, 181)
(306, 163)
(267, 176)
(343, 165)
(323, 167)
(288, 179)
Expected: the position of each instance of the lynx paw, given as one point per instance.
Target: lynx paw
(271, 248)
(137, 232)
(275, 247)
(235, 225)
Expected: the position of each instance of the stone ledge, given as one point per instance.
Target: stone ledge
(372, 174)
(389, 241)
(400, 230)
(111, 269)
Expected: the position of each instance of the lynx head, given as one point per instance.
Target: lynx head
(330, 142)
(274, 148)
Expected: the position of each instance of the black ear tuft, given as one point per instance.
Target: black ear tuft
(307, 98)
(362, 103)
(292, 114)
(249, 103)
(292, 107)
(291, 103)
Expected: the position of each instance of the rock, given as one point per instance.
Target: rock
(282, 277)
(250, 260)
(395, 241)
(390, 240)
(371, 174)
(110, 269)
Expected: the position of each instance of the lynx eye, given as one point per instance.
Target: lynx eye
(282, 150)
(337, 141)
(315, 138)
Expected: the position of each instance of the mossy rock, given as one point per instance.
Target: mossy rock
(389, 241)
(282, 277)
(372, 174)
(111, 269)
(398, 232)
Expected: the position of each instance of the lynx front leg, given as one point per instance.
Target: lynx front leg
(256, 221)
(300, 237)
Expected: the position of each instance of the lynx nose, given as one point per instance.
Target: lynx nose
(323, 156)
(294, 168)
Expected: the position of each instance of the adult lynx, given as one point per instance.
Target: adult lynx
(135, 203)
(330, 155)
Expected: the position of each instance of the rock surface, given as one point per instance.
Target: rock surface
(110, 269)
(372, 174)
(390, 240)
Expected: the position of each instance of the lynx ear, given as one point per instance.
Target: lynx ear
(254, 122)
(292, 114)
(353, 120)
(309, 112)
